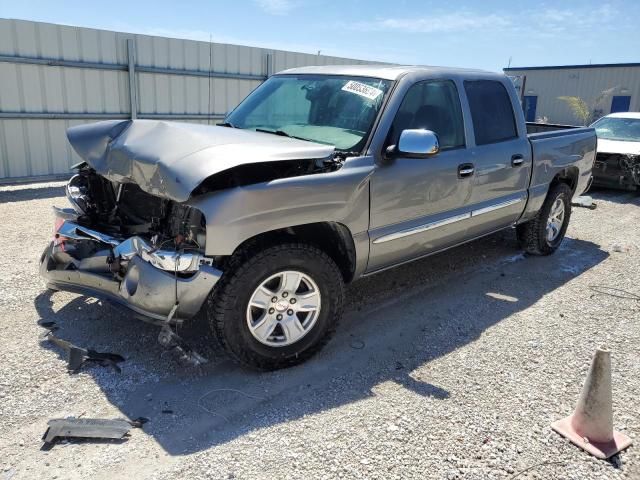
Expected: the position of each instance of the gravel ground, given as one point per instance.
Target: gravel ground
(450, 367)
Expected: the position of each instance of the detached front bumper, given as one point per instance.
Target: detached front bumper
(155, 294)
(620, 171)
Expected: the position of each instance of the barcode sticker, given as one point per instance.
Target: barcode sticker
(362, 89)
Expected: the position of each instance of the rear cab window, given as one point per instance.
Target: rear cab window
(491, 111)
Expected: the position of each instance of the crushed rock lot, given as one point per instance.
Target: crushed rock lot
(450, 367)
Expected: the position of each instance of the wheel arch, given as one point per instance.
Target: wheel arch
(568, 176)
(333, 238)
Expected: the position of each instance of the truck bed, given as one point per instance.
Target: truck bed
(534, 127)
(568, 150)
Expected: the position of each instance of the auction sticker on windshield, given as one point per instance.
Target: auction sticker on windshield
(362, 89)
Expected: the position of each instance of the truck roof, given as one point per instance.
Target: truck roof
(387, 72)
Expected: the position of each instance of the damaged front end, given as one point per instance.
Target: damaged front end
(617, 170)
(126, 245)
(132, 235)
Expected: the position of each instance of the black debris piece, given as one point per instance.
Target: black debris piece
(77, 356)
(48, 325)
(174, 343)
(138, 422)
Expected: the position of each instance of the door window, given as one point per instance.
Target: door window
(433, 105)
(491, 111)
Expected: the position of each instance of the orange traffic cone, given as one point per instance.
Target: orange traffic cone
(591, 425)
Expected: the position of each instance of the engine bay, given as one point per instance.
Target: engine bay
(127, 245)
(617, 171)
(123, 210)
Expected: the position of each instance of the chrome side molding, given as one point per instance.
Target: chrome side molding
(497, 206)
(423, 228)
(447, 221)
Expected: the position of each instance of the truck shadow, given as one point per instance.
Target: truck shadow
(615, 196)
(30, 193)
(394, 323)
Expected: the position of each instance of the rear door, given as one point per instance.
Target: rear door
(500, 153)
(418, 204)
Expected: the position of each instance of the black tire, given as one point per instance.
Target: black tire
(245, 271)
(532, 235)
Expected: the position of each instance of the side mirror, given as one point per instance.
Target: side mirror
(416, 144)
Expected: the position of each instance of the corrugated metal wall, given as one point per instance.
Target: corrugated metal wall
(586, 83)
(55, 76)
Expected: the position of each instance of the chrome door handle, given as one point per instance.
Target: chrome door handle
(466, 170)
(517, 160)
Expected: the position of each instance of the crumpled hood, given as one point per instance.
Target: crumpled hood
(618, 146)
(170, 159)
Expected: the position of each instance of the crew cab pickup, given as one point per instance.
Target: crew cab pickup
(322, 175)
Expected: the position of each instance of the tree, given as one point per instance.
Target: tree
(584, 112)
(579, 108)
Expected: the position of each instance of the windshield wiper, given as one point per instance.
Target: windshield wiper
(226, 124)
(281, 133)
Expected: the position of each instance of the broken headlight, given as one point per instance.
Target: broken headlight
(187, 224)
(77, 194)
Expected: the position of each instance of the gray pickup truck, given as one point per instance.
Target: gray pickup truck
(322, 175)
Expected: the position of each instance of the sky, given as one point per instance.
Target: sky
(486, 34)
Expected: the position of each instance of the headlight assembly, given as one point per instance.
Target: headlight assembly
(76, 191)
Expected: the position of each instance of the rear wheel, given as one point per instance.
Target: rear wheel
(276, 307)
(543, 234)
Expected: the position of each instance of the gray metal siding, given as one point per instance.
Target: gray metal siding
(38, 78)
(587, 83)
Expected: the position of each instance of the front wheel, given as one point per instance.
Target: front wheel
(276, 307)
(544, 233)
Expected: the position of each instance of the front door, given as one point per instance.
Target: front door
(419, 205)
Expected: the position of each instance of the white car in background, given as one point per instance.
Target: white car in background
(618, 160)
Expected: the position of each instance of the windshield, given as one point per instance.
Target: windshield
(618, 128)
(333, 110)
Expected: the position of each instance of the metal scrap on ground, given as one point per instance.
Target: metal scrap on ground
(584, 201)
(89, 428)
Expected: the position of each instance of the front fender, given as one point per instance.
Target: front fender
(238, 214)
